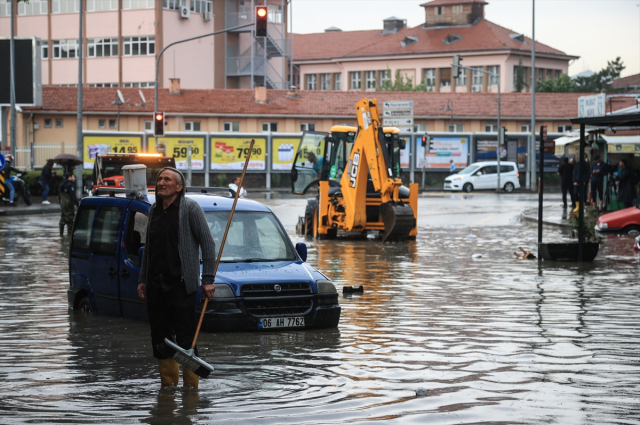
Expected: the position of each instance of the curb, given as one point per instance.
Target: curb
(533, 218)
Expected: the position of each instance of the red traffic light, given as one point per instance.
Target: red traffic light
(158, 125)
(261, 21)
(159, 117)
(261, 12)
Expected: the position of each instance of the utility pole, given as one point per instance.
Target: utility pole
(532, 149)
(79, 140)
(12, 53)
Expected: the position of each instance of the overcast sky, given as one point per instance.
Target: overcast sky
(595, 30)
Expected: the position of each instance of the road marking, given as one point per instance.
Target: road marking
(488, 218)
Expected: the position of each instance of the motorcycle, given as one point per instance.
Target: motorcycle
(21, 189)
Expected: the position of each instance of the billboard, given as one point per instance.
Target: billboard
(284, 151)
(178, 147)
(102, 145)
(443, 149)
(229, 153)
(28, 80)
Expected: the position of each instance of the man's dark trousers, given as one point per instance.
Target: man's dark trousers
(568, 187)
(171, 313)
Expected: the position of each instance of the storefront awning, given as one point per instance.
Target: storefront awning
(623, 144)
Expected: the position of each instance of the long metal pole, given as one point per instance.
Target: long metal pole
(79, 140)
(540, 193)
(581, 193)
(499, 132)
(12, 129)
(183, 41)
(532, 150)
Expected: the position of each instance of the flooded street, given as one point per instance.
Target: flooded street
(436, 337)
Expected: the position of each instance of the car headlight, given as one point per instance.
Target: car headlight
(458, 178)
(223, 291)
(602, 225)
(325, 287)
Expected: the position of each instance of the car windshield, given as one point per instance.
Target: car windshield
(253, 236)
(468, 170)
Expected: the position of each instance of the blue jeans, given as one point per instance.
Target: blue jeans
(45, 191)
(9, 186)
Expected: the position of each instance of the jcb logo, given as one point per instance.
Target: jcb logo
(354, 169)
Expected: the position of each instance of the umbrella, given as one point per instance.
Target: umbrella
(67, 160)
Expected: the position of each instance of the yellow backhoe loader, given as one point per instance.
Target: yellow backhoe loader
(357, 172)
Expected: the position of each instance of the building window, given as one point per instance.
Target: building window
(102, 85)
(557, 74)
(192, 126)
(439, 10)
(456, 128)
(462, 79)
(337, 81)
(143, 85)
(65, 49)
(101, 5)
(47, 123)
(356, 83)
(445, 77)
(233, 126)
(548, 74)
(490, 128)
(113, 124)
(524, 128)
(99, 47)
(138, 4)
(311, 81)
(385, 79)
(540, 74)
(147, 125)
(269, 127)
(173, 4)
(495, 74)
(476, 82)
(138, 46)
(5, 8)
(59, 123)
(456, 10)
(430, 77)
(307, 126)
(102, 123)
(325, 82)
(420, 128)
(44, 49)
(202, 6)
(34, 7)
(64, 6)
(563, 128)
(370, 80)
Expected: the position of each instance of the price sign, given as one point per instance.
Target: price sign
(230, 153)
(103, 145)
(178, 148)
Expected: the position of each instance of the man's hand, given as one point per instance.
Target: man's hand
(142, 290)
(209, 290)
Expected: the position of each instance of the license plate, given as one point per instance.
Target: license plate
(281, 322)
(447, 185)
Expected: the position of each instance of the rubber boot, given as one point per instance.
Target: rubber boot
(61, 230)
(169, 372)
(190, 379)
(577, 208)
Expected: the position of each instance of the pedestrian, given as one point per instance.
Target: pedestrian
(582, 168)
(170, 270)
(565, 171)
(598, 172)
(68, 202)
(452, 166)
(46, 175)
(234, 187)
(6, 173)
(626, 190)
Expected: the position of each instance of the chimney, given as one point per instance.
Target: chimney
(293, 93)
(392, 25)
(174, 86)
(260, 95)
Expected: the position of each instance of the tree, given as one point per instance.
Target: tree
(520, 84)
(401, 83)
(563, 84)
(596, 83)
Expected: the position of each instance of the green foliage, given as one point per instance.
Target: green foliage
(401, 83)
(563, 84)
(520, 83)
(221, 180)
(596, 83)
(590, 220)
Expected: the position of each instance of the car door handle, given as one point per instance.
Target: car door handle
(111, 272)
(124, 273)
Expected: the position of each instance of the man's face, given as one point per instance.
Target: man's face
(72, 177)
(621, 164)
(167, 184)
(236, 181)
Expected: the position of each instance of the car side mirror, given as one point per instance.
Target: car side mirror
(402, 143)
(301, 249)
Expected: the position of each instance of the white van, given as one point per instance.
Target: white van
(484, 175)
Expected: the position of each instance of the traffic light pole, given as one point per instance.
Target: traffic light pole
(184, 41)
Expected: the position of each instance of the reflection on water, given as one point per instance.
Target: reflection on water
(490, 340)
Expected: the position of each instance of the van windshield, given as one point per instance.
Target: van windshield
(253, 236)
(469, 170)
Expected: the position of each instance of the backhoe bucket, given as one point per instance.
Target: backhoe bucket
(398, 221)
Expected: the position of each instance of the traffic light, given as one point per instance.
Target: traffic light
(425, 140)
(502, 136)
(261, 21)
(456, 66)
(158, 124)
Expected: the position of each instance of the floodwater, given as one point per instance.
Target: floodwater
(436, 337)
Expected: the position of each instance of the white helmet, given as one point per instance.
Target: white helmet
(9, 158)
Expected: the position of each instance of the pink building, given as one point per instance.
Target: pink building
(370, 60)
(122, 38)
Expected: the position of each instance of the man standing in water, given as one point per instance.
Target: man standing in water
(170, 270)
(68, 202)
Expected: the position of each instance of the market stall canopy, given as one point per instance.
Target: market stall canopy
(622, 144)
(611, 121)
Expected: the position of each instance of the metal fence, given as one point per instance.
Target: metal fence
(37, 154)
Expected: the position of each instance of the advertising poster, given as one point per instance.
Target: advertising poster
(442, 150)
(230, 153)
(486, 151)
(178, 148)
(405, 157)
(102, 145)
(284, 151)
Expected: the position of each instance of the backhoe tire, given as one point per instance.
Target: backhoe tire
(309, 214)
(467, 188)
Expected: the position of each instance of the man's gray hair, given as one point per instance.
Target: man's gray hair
(179, 177)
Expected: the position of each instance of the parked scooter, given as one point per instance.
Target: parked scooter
(21, 189)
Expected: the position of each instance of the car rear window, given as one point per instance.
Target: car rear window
(506, 168)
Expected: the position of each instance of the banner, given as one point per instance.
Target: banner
(230, 153)
(178, 148)
(103, 145)
(284, 151)
(486, 151)
(441, 151)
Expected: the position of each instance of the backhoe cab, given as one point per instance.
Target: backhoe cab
(357, 171)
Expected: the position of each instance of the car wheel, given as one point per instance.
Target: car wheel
(509, 187)
(467, 188)
(631, 230)
(84, 306)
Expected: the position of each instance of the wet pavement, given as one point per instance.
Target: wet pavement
(485, 340)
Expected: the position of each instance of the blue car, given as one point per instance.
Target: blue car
(262, 281)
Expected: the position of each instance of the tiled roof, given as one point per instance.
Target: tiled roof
(482, 36)
(448, 2)
(221, 102)
(630, 81)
